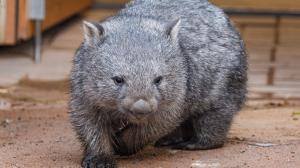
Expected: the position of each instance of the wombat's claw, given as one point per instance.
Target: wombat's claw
(98, 162)
(195, 145)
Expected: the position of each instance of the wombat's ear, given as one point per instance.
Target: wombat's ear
(92, 31)
(173, 29)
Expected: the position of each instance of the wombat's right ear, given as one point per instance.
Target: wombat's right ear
(173, 28)
(92, 32)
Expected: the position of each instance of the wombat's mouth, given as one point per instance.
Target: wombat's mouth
(123, 125)
(136, 118)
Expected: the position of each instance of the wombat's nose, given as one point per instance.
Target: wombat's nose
(140, 107)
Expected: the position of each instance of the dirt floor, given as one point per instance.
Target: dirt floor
(35, 132)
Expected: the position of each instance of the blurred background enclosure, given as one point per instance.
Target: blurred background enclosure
(270, 29)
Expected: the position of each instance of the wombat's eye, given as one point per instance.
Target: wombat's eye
(158, 80)
(118, 80)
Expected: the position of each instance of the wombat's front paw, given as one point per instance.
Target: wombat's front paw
(197, 145)
(91, 161)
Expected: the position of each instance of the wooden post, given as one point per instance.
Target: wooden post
(272, 68)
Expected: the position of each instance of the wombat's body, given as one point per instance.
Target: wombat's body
(165, 71)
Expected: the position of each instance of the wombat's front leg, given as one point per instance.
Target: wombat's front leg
(98, 150)
(131, 140)
(98, 161)
(93, 132)
(210, 130)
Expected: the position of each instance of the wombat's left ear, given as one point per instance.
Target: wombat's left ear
(173, 29)
(92, 32)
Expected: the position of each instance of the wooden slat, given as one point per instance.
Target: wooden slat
(24, 26)
(114, 2)
(260, 4)
(252, 20)
(11, 22)
(2, 20)
(9, 37)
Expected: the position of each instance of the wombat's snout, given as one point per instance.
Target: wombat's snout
(140, 107)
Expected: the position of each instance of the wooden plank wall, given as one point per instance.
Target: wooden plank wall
(56, 12)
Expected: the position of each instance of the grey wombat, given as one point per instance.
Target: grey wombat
(166, 71)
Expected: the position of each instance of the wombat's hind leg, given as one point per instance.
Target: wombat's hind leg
(210, 131)
(179, 135)
(171, 139)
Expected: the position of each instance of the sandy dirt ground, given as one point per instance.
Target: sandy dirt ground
(35, 132)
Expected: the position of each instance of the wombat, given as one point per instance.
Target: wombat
(169, 72)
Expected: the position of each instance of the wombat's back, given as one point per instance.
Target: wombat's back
(212, 46)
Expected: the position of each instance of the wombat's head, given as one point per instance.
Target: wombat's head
(135, 67)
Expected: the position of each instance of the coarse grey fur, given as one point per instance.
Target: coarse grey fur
(166, 71)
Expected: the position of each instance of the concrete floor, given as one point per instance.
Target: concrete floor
(59, 48)
(35, 132)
